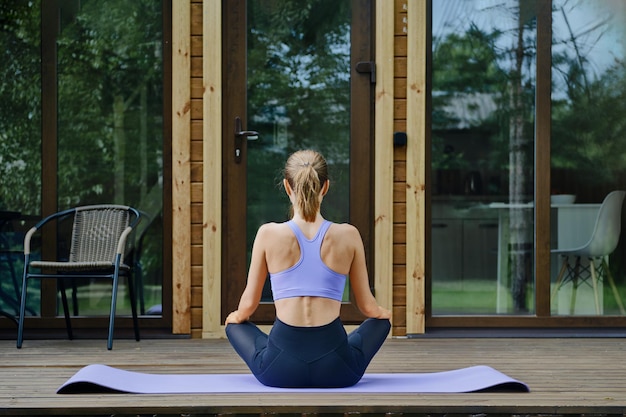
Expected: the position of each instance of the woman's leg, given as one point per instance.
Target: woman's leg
(367, 339)
(248, 341)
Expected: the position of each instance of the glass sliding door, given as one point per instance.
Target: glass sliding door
(588, 160)
(298, 98)
(82, 122)
(483, 97)
(527, 144)
(291, 77)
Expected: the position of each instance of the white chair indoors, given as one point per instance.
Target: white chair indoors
(600, 245)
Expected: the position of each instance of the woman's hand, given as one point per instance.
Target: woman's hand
(235, 318)
(383, 313)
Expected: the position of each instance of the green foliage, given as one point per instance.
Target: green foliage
(298, 97)
(109, 95)
(20, 107)
(469, 62)
(298, 71)
(108, 52)
(109, 70)
(589, 130)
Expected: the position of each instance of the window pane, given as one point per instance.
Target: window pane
(587, 149)
(110, 123)
(483, 91)
(298, 98)
(20, 142)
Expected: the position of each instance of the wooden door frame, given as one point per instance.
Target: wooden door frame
(234, 268)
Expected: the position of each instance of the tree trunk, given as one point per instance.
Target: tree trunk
(119, 149)
(520, 240)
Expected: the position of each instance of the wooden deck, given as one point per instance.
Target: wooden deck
(568, 376)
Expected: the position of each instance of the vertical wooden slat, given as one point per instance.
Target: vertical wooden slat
(416, 167)
(212, 167)
(181, 171)
(383, 147)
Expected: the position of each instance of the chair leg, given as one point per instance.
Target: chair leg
(66, 309)
(594, 283)
(572, 306)
(112, 313)
(20, 324)
(133, 305)
(559, 279)
(618, 299)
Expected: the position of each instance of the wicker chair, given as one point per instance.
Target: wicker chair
(97, 247)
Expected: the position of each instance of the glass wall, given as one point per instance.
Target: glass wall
(110, 127)
(20, 139)
(483, 97)
(588, 157)
(89, 92)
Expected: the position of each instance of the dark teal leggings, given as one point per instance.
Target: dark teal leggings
(298, 357)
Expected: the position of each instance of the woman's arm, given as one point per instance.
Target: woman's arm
(359, 281)
(257, 275)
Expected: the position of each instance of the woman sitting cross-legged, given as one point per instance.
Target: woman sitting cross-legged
(308, 259)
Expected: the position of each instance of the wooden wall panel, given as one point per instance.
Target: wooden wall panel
(181, 166)
(396, 236)
(196, 18)
(415, 213)
(196, 66)
(196, 156)
(383, 150)
(196, 127)
(399, 88)
(196, 45)
(196, 171)
(399, 156)
(212, 167)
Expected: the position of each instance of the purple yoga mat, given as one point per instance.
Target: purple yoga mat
(105, 379)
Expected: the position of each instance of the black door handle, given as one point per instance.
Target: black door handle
(239, 136)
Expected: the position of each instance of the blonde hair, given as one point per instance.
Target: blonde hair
(306, 172)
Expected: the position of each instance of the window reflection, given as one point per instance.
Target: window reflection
(483, 90)
(20, 141)
(298, 97)
(110, 124)
(107, 58)
(587, 141)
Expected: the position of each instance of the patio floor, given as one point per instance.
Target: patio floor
(567, 376)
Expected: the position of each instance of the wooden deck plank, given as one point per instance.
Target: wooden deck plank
(567, 376)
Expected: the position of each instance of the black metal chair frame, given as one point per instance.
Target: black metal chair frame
(98, 245)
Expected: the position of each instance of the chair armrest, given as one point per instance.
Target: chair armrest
(121, 245)
(40, 224)
(27, 238)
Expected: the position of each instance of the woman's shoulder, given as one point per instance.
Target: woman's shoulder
(344, 227)
(273, 229)
(344, 230)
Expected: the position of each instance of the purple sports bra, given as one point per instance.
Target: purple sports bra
(309, 276)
